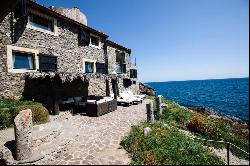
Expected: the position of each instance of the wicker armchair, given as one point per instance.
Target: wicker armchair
(97, 109)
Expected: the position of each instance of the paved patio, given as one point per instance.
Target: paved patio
(99, 137)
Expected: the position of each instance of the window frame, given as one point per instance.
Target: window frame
(52, 19)
(90, 61)
(99, 41)
(11, 49)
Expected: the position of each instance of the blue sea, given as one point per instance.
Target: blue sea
(229, 96)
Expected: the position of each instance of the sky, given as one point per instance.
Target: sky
(174, 40)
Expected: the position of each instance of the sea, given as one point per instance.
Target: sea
(229, 96)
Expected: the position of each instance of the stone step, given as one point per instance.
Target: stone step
(46, 133)
(49, 139)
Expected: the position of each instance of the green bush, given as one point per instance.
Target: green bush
(166, 146)
(174, 115)
(10, 108)
(39, 113)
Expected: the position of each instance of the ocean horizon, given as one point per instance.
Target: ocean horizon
(228, 96)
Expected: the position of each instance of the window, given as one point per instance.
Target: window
(133, 73)
(120, 62)
(22, 61)
(94, 41)
(84, 37)
(47, 62)
(100, 68)
(120, 68)
(89, 67)
(41, 22)
(120, 57)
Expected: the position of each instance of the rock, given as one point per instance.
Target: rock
(214, 116)
(23, 134)
(146, 89)
(163, 105)
(146, 131)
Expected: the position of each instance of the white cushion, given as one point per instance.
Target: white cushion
(101, 101)
(91, 101)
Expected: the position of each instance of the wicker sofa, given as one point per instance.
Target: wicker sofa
(98, 108)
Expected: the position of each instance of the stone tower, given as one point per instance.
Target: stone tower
(73, 13)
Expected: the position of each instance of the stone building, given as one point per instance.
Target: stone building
(43, 43)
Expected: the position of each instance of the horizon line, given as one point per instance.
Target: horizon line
(198, 79)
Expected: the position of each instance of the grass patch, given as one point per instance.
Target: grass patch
(166, 146)
(207, 127)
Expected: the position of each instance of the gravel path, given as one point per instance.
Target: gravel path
(99, 137)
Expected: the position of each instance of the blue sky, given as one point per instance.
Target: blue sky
(175, 40)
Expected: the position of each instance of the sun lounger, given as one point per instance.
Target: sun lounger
(123, 99)
(142, 97)
(136, 99)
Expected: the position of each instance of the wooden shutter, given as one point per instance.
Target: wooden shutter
(100, 68)
(47, 62)
(133, 73)
(123, 68)
(84, 37)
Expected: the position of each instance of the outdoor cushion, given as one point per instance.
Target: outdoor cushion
(91, 101)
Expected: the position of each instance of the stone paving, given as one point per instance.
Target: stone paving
(99, 137)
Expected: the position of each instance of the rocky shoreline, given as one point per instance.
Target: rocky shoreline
(146, 89)
(216, 114)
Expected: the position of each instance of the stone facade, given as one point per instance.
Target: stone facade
(111, 50)
(64, 45)
(73, 13)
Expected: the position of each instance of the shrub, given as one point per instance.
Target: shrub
(10, 108)
(5, 118)
(39, 113)
(196, 125)
(241, 130)
(165, 146)
(174, 115)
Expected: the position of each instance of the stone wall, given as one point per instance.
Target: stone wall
(111, 50)
(73, 13)
(65, 46)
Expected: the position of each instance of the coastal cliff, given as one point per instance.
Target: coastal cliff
(146, 89)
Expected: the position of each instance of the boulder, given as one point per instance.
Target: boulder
(146, 131)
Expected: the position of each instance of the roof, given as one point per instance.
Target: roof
(49, 11)
(119, 46)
